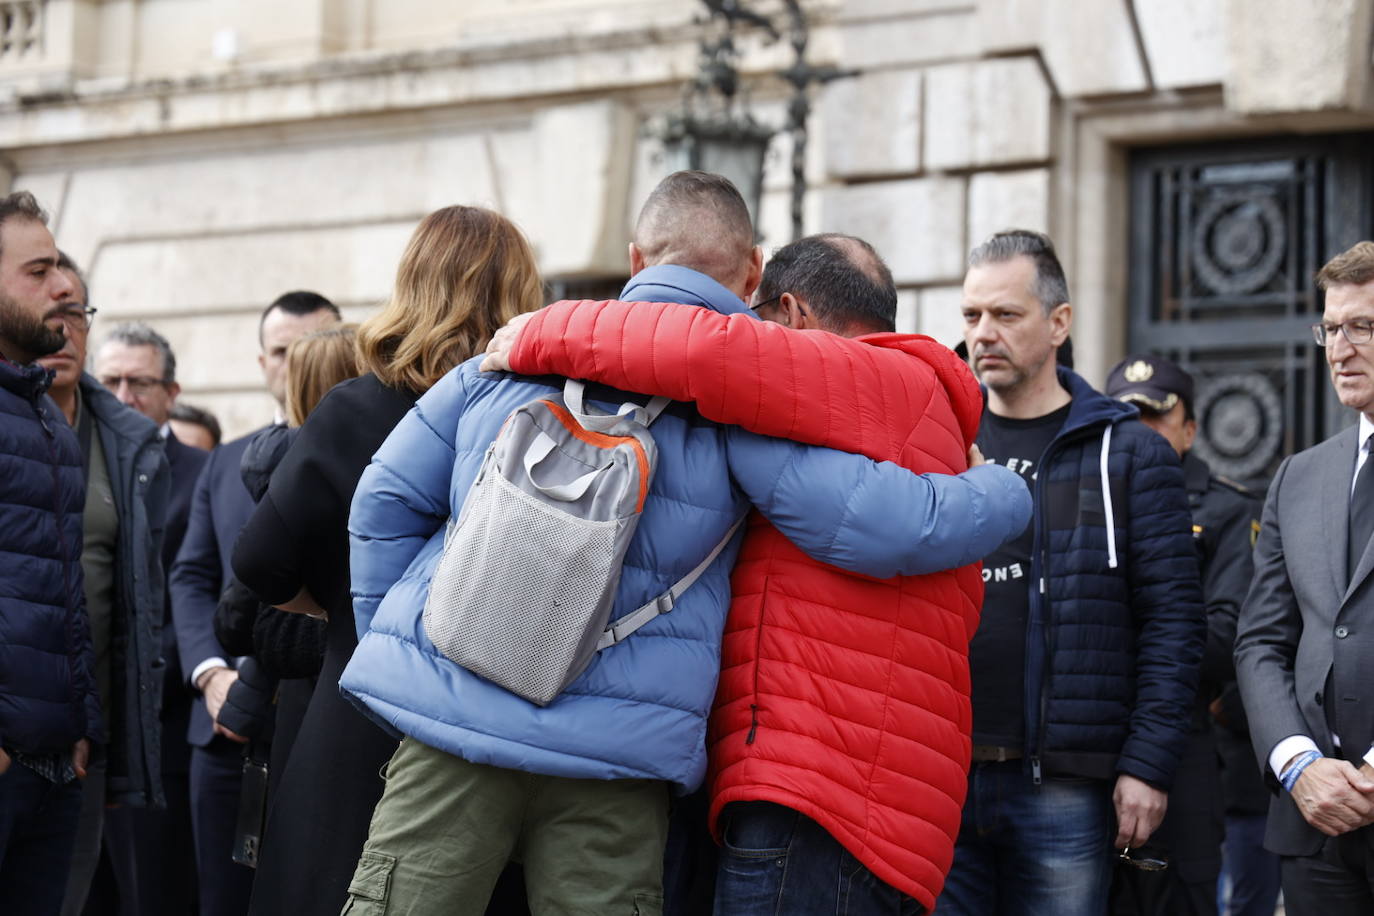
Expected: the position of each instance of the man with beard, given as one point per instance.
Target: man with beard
(49, 707)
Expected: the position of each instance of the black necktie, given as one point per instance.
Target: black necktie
(1361, 517)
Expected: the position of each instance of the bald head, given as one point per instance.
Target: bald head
(841, 279)
(699, 221)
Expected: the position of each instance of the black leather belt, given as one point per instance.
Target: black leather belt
(990, 753)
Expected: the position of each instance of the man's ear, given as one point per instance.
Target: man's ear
(1061, 319)
(754, 275)
(636, 259)
(793, 314)
(174, 390)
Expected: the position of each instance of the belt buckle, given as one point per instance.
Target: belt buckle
(993, 753)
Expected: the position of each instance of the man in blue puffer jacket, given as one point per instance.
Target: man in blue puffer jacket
(49, 708)
(578, 790)
(1085, 663)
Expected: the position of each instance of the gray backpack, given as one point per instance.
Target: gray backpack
(522, 594)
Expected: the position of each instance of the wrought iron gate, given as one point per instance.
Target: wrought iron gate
(1225, 240)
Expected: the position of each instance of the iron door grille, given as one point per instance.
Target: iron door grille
(1225, 240)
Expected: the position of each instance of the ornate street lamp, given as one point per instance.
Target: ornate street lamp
(713, 132)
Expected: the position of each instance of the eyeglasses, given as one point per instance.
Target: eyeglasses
(1359, 331)
(78, 316)
(1143, 863)
(764, 304)
(139, 385)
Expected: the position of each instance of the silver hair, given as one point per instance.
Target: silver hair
(138, 334)
(1050, 287)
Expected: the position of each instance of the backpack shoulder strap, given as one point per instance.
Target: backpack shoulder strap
(627, 625)
(575, 395)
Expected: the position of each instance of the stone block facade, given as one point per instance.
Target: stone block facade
(201, 156)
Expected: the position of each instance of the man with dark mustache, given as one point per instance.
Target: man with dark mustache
(49, 708)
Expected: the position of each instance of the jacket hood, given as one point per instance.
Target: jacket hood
(670, 283)
(1091, 407)
(28, 381)
(953, 374)
(109, 410)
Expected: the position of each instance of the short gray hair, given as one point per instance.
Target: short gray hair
(1050, 287)
(138, 334)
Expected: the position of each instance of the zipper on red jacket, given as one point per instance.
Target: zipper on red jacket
(758, 662)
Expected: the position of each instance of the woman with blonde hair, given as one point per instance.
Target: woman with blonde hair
(465, 272)
(316, 363)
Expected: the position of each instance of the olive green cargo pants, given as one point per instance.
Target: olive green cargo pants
(445, 828)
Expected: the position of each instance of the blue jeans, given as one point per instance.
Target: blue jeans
(37, 835)
(1249, 871)
(777, 861)
(1028, 850)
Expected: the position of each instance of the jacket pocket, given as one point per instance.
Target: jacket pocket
(370, 888)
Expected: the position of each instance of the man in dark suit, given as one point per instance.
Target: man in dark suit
(220, 506)
(1306, 633)
(137, 365)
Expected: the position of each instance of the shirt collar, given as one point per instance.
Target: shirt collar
(1366, 430)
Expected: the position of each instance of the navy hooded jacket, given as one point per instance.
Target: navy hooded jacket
(48, 699)
(1117, 624)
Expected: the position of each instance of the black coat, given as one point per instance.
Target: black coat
(298, 536)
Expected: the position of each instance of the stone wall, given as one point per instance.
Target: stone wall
(973, 116)
(202, 156)
(193, 201)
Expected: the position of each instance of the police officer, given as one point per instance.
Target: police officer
(1225, 520)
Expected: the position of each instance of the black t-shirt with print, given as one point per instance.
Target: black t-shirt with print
(997, 655)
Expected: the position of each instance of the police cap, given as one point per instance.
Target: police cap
(1151, 383)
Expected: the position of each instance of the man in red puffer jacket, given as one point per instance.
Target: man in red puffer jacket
(840, 737)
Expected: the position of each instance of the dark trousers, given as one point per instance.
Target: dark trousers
(37, 833)
(776, 860)
(1337, 881)
(167, 852)
(689, 861)
(1189, 839)
(104, 876)
(216, 776)
(1250, 872)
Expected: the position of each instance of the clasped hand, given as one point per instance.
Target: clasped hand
(1334, 796)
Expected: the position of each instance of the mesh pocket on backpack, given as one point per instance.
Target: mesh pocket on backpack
(528, 638)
